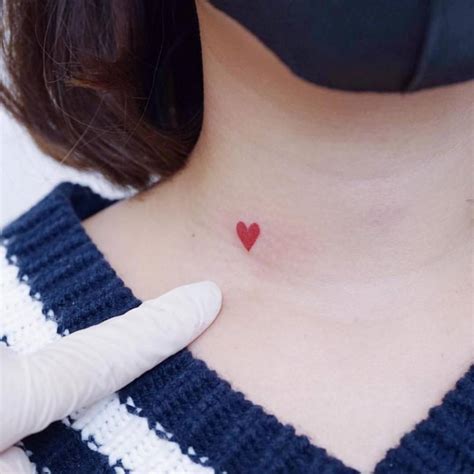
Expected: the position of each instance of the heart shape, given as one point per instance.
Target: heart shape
(248, 235)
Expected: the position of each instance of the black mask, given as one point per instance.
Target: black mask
(365, 45)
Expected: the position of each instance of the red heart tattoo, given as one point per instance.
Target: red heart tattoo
(248, 235)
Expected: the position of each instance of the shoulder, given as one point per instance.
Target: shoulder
(51, 223)
(51, 272)
(65, 198)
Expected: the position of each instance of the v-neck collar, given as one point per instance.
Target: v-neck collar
(441, 442)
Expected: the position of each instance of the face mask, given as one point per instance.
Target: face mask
(370, 45)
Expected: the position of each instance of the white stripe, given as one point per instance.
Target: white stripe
(21, 319)
(116, 433)
(123, 436)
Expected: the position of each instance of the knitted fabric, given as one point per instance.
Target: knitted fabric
(180, 417)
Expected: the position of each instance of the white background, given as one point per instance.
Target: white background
(26, 174)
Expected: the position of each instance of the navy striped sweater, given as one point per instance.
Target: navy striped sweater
(180, 417)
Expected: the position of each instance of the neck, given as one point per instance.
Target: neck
(347, 188)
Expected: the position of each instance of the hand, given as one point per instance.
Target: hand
(80, 369)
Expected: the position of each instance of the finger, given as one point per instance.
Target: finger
(15, 461)
(92, 363)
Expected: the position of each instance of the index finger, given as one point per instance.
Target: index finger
(92, 363)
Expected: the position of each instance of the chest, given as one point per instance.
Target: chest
(354, 394)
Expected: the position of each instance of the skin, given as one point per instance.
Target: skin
(351, 315)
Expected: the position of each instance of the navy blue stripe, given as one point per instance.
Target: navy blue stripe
(203, 411)
(433, 446)
(62, 264)
(61, 449)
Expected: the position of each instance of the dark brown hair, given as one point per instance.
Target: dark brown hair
(113, 86)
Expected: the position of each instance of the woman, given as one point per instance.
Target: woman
(331, 206)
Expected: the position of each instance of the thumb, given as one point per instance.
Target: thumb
(92, 363)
